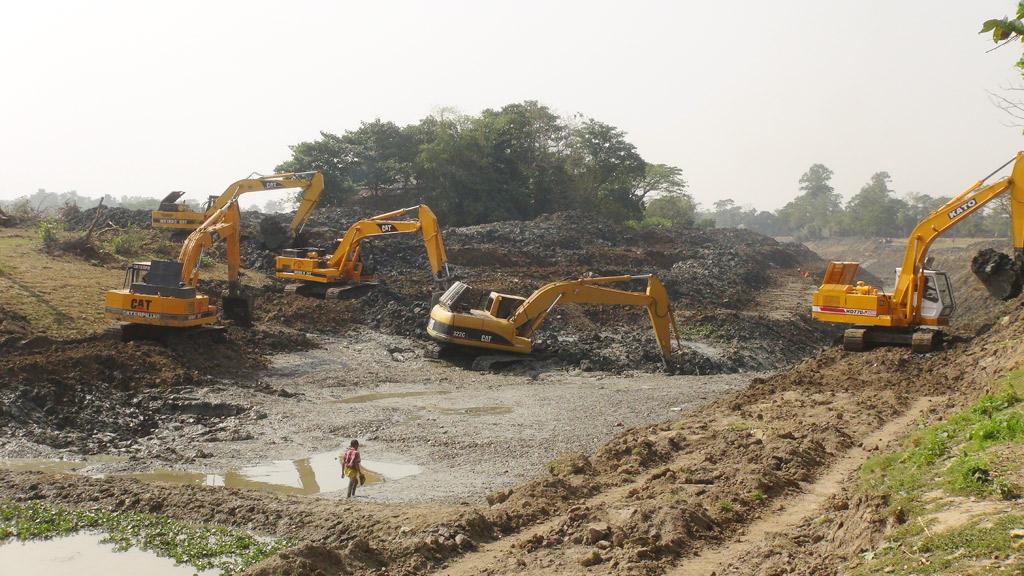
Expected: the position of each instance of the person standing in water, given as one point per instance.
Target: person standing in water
(351, 468)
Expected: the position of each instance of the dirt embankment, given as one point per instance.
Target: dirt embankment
(723, 284)
(100, 395)
(646, 502)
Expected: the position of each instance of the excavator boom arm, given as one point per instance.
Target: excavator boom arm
(311, 182)
(910, 283)
(310, 197)
(383, 224)
(531, 313)
(222, 225)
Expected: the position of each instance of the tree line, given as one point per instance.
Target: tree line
(512, 163)
(875, 211)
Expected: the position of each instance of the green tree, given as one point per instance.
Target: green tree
(606, 170)
(815, 213)
(672, 210)
(382, 156)
(874, 211)
(332, 157)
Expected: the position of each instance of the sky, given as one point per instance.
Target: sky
(140, 98)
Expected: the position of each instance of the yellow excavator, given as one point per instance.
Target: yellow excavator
(318, 273)
(507, 322)
(179, 216)
(922, 300)
(160, 297)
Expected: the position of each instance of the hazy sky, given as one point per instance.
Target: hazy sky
(141, 98)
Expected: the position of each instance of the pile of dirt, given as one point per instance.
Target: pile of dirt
(101, 395)
(713, 277)
(119, 217)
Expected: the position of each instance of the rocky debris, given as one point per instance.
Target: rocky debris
(101, 395)
(591, 558)
(1001, 275)
(712, 276)
(120, 217)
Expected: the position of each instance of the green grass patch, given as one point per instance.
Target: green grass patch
(129, 243)
(960, 442)
(201, 546)
(953, 551)
(961, 456)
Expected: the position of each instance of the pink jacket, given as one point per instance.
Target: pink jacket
(351, 458)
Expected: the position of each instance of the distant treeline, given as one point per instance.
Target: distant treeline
(875, 211)
(43, 201)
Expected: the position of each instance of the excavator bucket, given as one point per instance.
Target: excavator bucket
(168, 203)
(660, 312)
(237, 307)
(840, 273)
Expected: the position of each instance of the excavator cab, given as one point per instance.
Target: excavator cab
(503, 305)
(937, 300)
(136, 272)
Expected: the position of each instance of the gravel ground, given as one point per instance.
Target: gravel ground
(471, 432)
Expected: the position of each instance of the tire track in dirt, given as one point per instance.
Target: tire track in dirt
(490, 555)
(811, 500)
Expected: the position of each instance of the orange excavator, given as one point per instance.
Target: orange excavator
(504, 322)
(317, 273)
(179, 217)
(160, 297)
(922, 300)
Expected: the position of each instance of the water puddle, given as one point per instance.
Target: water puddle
(37, 465)
(363, 398)
(314, 475)
(85, 554)
(474, 410)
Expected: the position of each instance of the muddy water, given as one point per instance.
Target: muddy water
(84, 555)
(363, 398)
(37, 465)
(316, 474)
(474, 410)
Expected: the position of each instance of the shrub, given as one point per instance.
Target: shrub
(50, 231)
(129, 243)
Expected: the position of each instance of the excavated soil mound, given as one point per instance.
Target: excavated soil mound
(100, 394)
(716, 278)
(120, 217)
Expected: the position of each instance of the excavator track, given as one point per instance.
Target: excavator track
(327, 291)
(348, 290)
(855, 340)
(164, 334)
(924, 341)
(920, 341)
